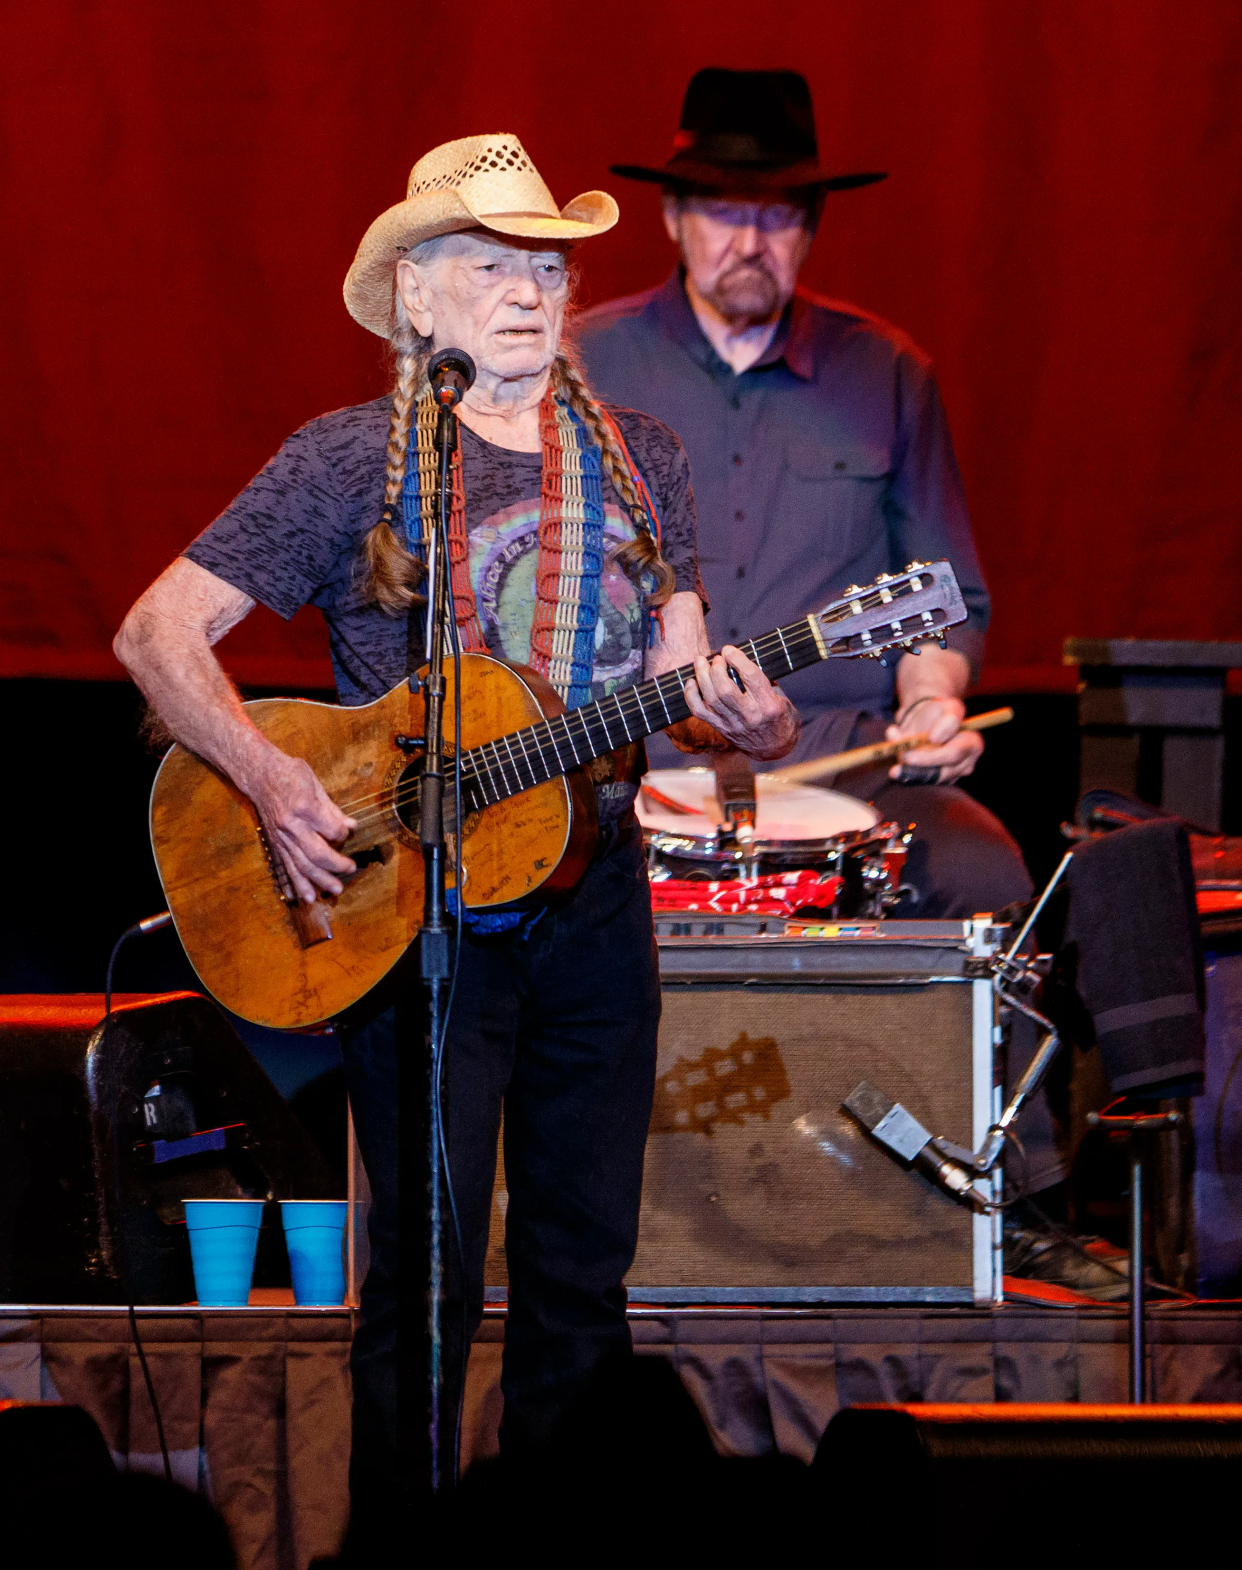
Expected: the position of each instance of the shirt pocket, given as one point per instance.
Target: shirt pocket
(837, 487)
(814, 458)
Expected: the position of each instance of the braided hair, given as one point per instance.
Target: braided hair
(640, 560)
(392, 575)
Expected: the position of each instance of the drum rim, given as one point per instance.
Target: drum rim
(810, 790)
(702, 847)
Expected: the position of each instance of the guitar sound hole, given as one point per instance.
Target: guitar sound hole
(407, 797)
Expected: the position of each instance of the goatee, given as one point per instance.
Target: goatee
(746, 293)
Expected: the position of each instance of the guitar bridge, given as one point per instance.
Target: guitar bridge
(310, 922)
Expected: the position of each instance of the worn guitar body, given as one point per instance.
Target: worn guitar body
(277, 962)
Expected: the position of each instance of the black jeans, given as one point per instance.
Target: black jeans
(962, 858)
(560, 1027)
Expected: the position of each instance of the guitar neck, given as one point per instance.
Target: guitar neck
(552, 747)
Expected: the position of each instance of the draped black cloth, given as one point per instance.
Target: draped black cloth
(1132, 945)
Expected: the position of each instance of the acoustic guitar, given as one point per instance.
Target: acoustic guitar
(529, 816)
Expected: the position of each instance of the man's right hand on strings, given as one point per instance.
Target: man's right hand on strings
(302, 823)
(166, 645)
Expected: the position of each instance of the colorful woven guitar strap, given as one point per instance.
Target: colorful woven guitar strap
(571, 540)
(419, 499)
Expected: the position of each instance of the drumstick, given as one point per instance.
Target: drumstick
(838, 762)
(669, 805)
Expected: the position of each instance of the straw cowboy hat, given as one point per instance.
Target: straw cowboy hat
(483, 182)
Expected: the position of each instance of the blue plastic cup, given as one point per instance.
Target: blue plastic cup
(224, 1234)
(315, 1238)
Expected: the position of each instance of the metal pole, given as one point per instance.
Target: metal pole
(1134, 1126)
(1039, 905)
(435, 1262)
(1138, 1351)
(434, 938)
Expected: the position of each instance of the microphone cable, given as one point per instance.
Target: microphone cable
(440, 1050)
(139, 929)
(456, 367)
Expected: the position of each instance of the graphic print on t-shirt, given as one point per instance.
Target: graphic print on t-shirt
(504, 553)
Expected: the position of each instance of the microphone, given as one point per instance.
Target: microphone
(903, 1136)
(451, 374)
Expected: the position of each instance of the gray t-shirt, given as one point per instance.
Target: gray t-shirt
(292, 538)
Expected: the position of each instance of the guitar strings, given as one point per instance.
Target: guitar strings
(373, 808)
(494, 776)
(382, 804)
(769, 643)
(388, 801)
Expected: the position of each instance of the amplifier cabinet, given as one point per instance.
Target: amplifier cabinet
(758, 1187)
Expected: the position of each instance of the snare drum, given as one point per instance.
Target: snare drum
(796, 827)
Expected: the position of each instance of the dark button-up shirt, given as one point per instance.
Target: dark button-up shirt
(823, 465)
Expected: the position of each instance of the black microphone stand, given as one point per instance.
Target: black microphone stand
(434, 938)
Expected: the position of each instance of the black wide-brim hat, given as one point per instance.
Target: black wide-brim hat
(746, 131)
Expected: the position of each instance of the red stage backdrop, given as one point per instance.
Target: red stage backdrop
(184, 187)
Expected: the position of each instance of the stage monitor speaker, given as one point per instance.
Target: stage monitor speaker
(758, 1186)
(1054, 1483)
(88, 1215)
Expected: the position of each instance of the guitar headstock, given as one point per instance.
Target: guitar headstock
(896, 612)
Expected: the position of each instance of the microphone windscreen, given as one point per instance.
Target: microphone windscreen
(452, 363)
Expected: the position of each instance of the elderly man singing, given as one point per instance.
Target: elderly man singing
(555, 1015)
(820, 454)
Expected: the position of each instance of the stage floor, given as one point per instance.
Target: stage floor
(256, 1401)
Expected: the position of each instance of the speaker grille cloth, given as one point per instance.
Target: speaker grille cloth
(754, 1176)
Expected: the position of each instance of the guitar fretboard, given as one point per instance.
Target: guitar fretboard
(552, 747)
(894, 613)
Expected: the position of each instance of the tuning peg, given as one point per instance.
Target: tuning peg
(916, 566)
(854, 588)
(943, 642)
(885, 577)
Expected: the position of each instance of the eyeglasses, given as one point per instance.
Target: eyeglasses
(739, 213)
